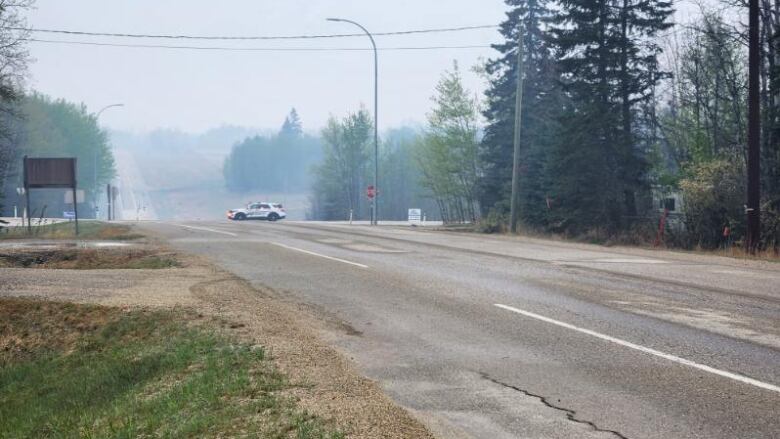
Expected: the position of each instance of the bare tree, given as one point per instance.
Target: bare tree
(14, 58)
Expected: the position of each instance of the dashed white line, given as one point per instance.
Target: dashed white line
(319, 255)
(628, 344)
(206, 229)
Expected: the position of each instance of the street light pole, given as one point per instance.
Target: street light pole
(94, 169)
(375, 199)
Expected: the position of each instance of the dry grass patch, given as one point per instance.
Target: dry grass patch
(88, 230)
(88, 259)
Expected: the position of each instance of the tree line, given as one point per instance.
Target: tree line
(620, 110)
(277, 164)
(46, 127)
(334, 167)
(620, 107)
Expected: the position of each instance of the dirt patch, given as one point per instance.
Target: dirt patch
(88, 259)
(29, 326)
(329, 385)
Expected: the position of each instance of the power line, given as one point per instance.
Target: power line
(254, 49)
(267, 37)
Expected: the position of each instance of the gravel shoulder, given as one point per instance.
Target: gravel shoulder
(330, 388)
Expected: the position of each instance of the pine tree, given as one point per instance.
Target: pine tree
(292, 126)
(541, 103)
(608, 59)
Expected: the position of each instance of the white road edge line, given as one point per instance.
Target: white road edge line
(206, 229)
(319, 255)
(628, 344)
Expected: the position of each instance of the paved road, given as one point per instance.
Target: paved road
(133, 202)
(501, 338)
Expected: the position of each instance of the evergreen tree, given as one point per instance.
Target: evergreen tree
(292, 126)
(608, 59)
(278, 163)
(541, 106)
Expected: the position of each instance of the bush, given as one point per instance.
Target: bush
(770, 225)
(714, 196)
(494, 222)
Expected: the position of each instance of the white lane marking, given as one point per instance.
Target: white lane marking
(628, 344)
(321, 256)
(206, 229)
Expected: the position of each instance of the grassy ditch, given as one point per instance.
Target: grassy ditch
(71, 370)
(88, 230)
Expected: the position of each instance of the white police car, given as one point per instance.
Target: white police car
(263, 211)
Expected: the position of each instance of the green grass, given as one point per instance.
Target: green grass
(139, 374)
(66, 230)
(152, 262)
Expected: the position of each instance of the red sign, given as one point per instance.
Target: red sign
(371, 192)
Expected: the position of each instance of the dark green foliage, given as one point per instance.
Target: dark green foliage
(57, 128)
(541, 110)
(590, 70)
(279, 163)
(607, 57)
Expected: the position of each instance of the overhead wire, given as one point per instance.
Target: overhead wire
(261, 37)
(255, 49)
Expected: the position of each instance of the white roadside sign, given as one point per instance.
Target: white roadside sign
(415, 216)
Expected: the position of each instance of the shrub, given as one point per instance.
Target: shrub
(714, 195)
(494, 222)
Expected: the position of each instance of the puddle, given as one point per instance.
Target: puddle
(104, 244)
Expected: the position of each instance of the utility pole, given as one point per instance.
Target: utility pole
(108, 196)
(375, 200)
(514, 212)
(753, 237)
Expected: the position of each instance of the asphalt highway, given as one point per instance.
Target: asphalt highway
(497, 337)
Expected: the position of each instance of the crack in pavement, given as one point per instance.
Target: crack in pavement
(570, 414)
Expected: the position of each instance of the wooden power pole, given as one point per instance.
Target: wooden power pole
(753, 237)
(514, 212)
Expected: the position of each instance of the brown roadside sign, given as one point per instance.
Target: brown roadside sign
(50, 172)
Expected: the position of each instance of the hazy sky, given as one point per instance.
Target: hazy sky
(197, 90)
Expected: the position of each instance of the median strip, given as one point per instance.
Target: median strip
(343, 261)
(628, 344)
